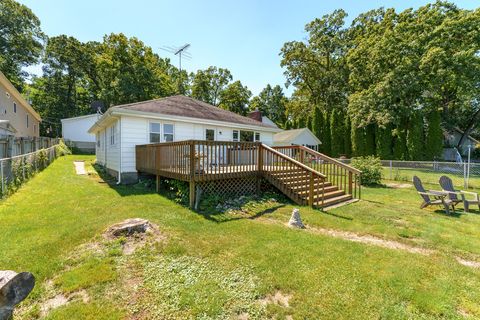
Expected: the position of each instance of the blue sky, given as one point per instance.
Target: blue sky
(243, 36)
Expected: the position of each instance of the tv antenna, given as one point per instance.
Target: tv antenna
(181, 52)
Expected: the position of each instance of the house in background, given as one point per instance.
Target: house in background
(175, 118)
(17, 116)
(75, 132)
(451, 140)
(297, 137)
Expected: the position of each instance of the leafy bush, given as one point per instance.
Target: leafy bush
(61, 149)
(179, 188)
(371, 168)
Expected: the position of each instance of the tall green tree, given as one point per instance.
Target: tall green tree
(207, 85)
(416, 137)
(21, 40)
(384, 141)
(434, 136)
(337, 133)
(271, 101)
(235, 98)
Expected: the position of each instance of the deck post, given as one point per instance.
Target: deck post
(192, 194)
(260, 168)
(350, 182)
(158, 183)
(312, 190)
(192, 174)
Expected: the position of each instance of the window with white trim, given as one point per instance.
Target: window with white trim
(257, 136)
(14, 107)
(235, 136)
(154, 132)
(168, 129)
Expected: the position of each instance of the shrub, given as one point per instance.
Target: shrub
(371, 168)
(61, 149)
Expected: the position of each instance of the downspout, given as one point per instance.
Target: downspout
(120, 150)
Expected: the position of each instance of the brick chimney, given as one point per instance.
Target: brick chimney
(256, 115)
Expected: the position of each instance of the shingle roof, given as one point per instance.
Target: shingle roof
(188, 107)
(289, 135)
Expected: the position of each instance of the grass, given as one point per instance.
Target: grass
(220, 266)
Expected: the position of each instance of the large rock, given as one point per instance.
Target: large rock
(295, 220)
(14, 288)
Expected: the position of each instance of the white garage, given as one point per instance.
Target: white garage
(75, 132)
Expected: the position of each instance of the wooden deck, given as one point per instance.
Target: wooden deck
(302, 174)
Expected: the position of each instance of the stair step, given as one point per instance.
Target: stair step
(306, 191)
(327, 195)
(335, 200)
(301, 185)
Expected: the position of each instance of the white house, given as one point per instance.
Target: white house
(299, 137)
(175, 118)
(75, 132)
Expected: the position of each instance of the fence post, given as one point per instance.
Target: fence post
(465, 175)
(391, 170)
(3, 182)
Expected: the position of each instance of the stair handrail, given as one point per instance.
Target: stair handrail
(321, 155)
(298, 163)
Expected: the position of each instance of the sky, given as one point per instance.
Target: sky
(243, 36)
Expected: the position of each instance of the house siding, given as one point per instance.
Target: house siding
(136, 131)
(17, 119)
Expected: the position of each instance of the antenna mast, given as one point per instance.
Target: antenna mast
(179, 53)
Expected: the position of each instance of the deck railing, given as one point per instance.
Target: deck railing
(345, 177)
(199, 161)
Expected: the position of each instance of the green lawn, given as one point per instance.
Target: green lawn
(222, 266)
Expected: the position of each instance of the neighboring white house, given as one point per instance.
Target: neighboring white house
(299, 137)
(175, 118)
(75, 132)
(451, 140)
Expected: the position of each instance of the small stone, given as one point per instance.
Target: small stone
(295, 220)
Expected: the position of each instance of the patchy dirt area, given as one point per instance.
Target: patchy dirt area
(277, 298)
(394, 185)
(468, 263)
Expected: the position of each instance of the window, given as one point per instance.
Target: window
(14, 107)
(257, 136)
(154, 132)
(235, 136)
(27, 120)
(112, 134)
(246, 136)
(210, 134)
(98, 140)
(168, 132)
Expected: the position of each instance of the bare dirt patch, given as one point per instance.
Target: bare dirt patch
(277, 298)
(468, 263)
(398, 185)
(368, 239)
(53, 303)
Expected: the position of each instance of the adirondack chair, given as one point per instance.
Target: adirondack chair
(431, 197)
(457, 196)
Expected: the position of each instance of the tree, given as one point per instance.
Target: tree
(384, 140)
(318, 67)
(272, 103)
(129, 71)
(337, 133)
(400, 143)
(208, 84)
(326, 134)
(21, 40)
(235, 98)
(434, 136)
(416, 137)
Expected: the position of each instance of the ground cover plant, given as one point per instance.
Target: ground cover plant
(381, 257)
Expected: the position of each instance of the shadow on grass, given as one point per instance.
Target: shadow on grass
(222, 217)
(337, 215)
(121, 189)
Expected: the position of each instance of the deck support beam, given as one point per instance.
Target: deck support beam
(192, 194)
(159, 180)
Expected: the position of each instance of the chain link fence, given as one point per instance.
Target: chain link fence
(14, 171)
(464, 175)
